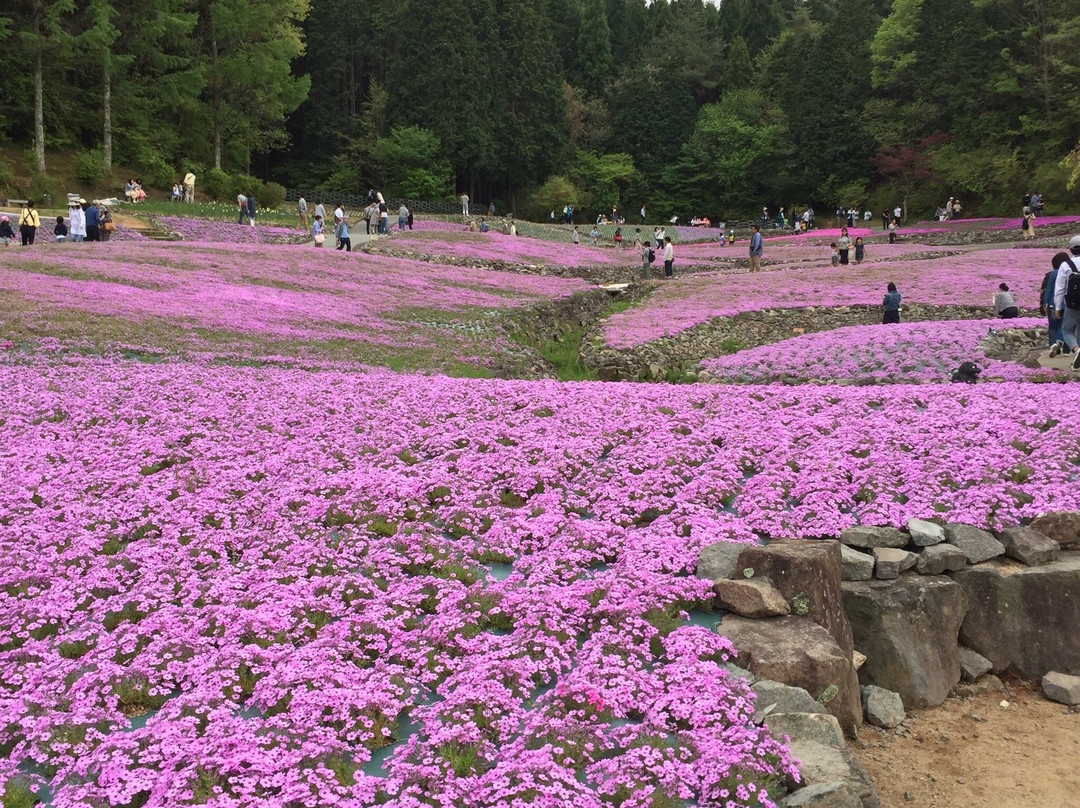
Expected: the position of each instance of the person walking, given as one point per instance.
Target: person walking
(884, 220)
(844, 245)
(1067, 305)
(301, 213)
(320, 209)
(896, 213)
(1046, 304)
(669, 258)
(1027, 226)
(251, 208)
(189, 187)
(29, 222)
(317, 234)
(860, 250)
(402, 217)
(1004, 304)
(756, 249)
(464, 204)
(641, 213)
(341, 231)
(372, 218)
(891, 304)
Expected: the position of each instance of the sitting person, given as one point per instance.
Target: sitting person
(129, 191)
(1004, 304)
(177, 194)
(484, 226)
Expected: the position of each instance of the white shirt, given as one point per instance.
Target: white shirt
(896, 213)
(301, 205)
(339, 214)
(77, 221)
(1064, 271)
(669, 252)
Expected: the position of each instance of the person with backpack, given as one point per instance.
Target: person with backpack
(1067, 301)
(1046, 304)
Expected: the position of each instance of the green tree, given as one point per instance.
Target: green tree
(410, 163)
(594, 66)
(738, 72)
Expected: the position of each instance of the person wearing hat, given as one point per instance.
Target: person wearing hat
(107, 225)
(93, 220)
(77, 221)
(1070, 317)
(7, 235)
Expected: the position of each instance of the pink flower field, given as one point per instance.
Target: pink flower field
(967, 279)
(208, 231)
(906, 352)
(258, 587)
(492, 246)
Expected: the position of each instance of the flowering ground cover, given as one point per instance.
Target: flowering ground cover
(250, 586)
(791, 251)
(265, 301)
(229, 232)
(968, 279)
(906, 352)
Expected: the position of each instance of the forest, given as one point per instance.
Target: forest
(683, 106)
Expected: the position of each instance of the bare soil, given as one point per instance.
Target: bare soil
(1025, 754)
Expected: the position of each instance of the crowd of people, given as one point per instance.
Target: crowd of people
(85, 221)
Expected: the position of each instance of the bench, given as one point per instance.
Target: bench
(17, 203)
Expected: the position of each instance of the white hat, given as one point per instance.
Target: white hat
(82, 201)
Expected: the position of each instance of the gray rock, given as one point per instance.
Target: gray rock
(1061, 526)
(823, 795)
(807, 573)
(977, 545)
(797, 651)
(907, 628)
(940, 558)
(1062, 688)
(755, 597)
(883, 708)
(741, 673)
(890, 562)
(1024, 621)
(987, 684)
(855, 566)
(785, 698)
(817, 727)
(1029, 547)
(924, 533)
(717, 561)
(871, 536)
(973, 665)
(823, 764)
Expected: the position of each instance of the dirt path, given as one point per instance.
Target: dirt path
(1026, 754)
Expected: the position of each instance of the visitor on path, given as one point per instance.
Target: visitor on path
(409, 218)
(594, 236)
(896, 213)
(93, 221)
(891, 304)
(618, 238)
(402, 217)
(1046, 304)
(301, 213)
(241, 208)
(371, 218)
(464, 204)
(1067, 300)
(107, 226)
(669, 258)
(884, 220)
(60, 230)
(29, 222)
(339, 215)
(7, 235)
(341, 232)
(661, 234)
(867, 216)
(844, 245)
(756, 250)
(251, 208)
(320, 209)
(647, 257)
(637, 238)
(189, 187)
(1004, 304)
(513, 227)
(892, 231)
(491, 209)
(781, 220)
(317, 234)
(860, 250)
(77, 222)
(764, 218)
(957, 208)
(642, 214)
(575, 236)
(834, 259)
(384, 215)
(1027, 226)
(851, 214)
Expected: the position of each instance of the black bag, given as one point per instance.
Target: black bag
(1072, 288)
(968, 373)
(652, 255)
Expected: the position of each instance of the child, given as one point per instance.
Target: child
(647, 257)
(575, 236)
(618, 238)
(7, 235)
(60, 230)
(731, 236)
(891, 303)
(594, 234)
(317, 234)
(860, 250)
(835, 254)
(341, 230)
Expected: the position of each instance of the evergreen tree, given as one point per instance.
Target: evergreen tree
(595, 66)
(738, 72)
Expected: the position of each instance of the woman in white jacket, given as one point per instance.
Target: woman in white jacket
(77, 223)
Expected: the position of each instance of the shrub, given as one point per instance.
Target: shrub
(217, 185)
(273, 195)
(246, 184)
(7, 178)
(156, 173)
(88, 167)
(42, 189)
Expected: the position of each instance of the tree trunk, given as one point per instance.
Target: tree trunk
(106, 83)
(217, 107)
(39, 113)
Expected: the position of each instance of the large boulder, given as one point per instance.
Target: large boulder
(883, 708)
(776, 697)
(855, 565)
(718, 560)
(976, 544)
(807, 573)
(973, 665)
(824, 795)
(940, 558)
(908, 628)
(750, 598)
(797, 651)
(817, 727)
(870, 536)
(1061, 526)
(1028, 546)
(924, 533)
(826, 765)
(1062, 688)
(890, 562)
(1024, 620)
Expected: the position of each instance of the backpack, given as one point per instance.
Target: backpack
(968, 373)
(1072, 288)
(652, 255)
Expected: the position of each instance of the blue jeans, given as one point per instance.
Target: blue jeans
(1053, 326)
(1069, 325)
(400, 222)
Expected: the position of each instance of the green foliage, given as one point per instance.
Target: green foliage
(7, 178)
(553, 195)
(88, 167)
(18, 794)
(217, 185)
(411, 165)
(273, 195)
